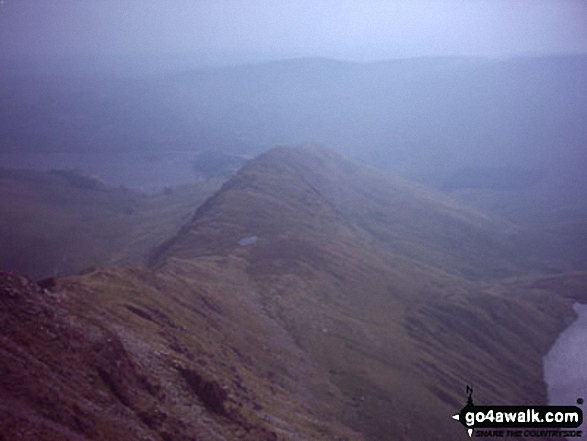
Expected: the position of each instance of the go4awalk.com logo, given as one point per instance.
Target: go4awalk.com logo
(520, 421)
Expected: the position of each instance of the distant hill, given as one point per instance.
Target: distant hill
(423, 118)
(309, 298)
(61, 222)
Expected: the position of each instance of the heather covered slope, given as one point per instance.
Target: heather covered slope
(359, 308)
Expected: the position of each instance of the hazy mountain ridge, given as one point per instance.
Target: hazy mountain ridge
(397, 115)
(467, 110)
(316, 329)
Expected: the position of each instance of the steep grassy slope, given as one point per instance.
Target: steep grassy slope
(316, 193)
(360, 308)
(128, 354)
(59, 223)
(390, 286)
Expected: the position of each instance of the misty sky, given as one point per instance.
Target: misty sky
(349, 29)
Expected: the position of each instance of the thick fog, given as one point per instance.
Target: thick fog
(261, 29)
(127, 84)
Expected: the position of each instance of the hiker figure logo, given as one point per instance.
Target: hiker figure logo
(470, 396)
(469, 407)
(517, 421)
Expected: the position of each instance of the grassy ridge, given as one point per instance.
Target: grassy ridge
(396, 290)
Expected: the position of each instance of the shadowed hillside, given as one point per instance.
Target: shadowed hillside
(309, 298)
(61, 222)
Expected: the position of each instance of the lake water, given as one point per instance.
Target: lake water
(565, 366)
